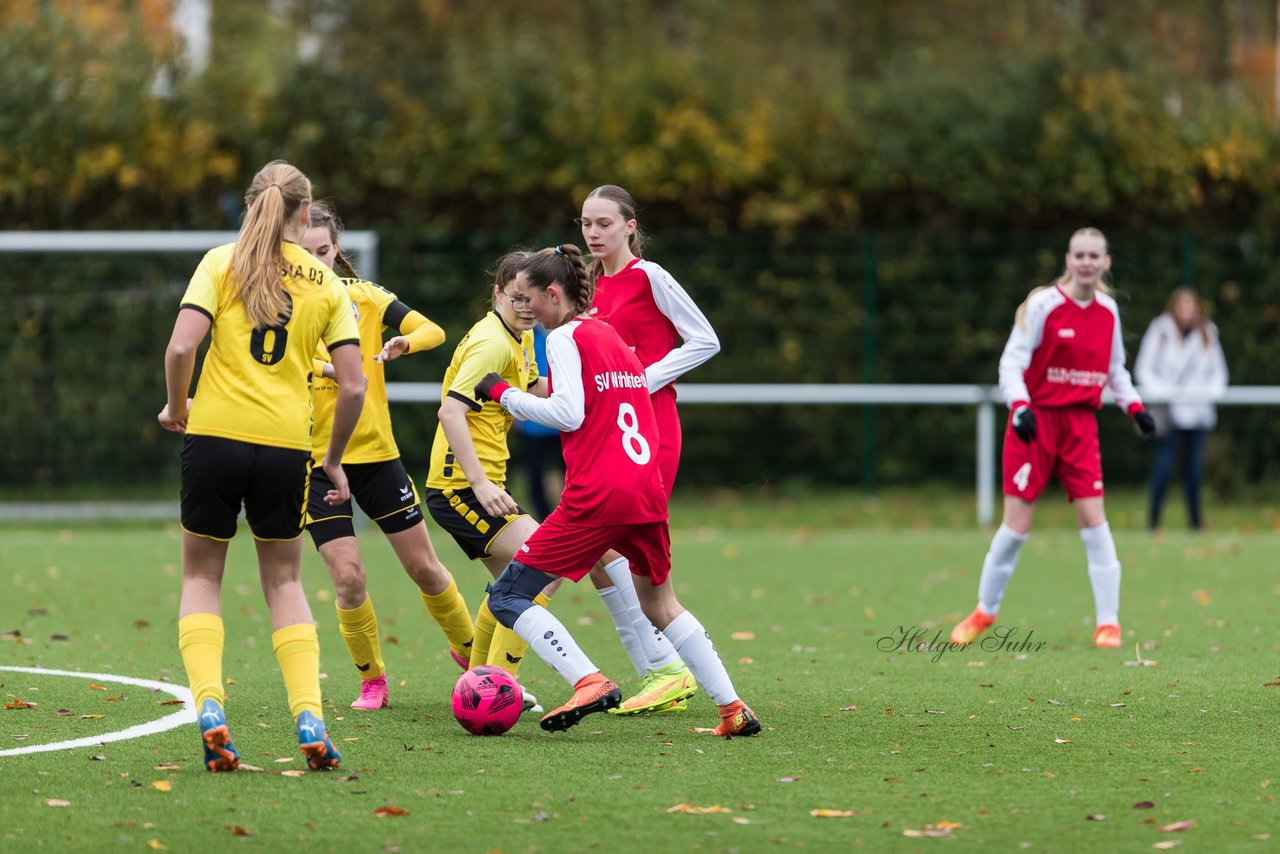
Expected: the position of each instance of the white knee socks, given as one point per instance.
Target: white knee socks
(1104, 572)
(998, 568)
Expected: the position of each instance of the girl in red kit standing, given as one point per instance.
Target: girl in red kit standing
(670, 336)
(1064, 347)
(614, 497)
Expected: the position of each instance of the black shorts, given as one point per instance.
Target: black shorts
(463, 517)
(219, 475)
(384, 491)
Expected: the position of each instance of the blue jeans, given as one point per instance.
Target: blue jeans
(1192, 442)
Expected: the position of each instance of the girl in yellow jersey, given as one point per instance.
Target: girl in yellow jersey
(379, 483)
(269, 303)
(466, 493)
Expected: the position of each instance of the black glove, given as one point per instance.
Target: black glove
(1024, 423)
(487, 384)
(1146, 424)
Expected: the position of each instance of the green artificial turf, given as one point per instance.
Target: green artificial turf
(1050, 746)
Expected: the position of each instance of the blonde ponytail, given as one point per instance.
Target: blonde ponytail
(276, 194)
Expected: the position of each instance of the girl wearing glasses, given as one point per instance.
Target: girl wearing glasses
(466, 487)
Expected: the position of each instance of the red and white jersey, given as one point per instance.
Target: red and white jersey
(653, 314)
(1063, 353)
(599, 400)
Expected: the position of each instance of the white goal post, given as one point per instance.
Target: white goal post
(362, 244)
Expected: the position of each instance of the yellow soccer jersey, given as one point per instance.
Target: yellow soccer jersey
(256, 383)
(490, 346)
(372, 441)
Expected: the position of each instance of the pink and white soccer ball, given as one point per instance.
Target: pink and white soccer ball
(487, 700)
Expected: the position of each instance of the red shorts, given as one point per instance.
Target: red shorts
(570, 549)
(669, 435)
(1066, 445)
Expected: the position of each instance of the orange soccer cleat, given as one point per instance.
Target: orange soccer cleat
(593, 693)
(1107, 635)
(736, 721)
(971, 627)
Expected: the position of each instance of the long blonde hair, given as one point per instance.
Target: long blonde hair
(1065, 276)
(275, 195)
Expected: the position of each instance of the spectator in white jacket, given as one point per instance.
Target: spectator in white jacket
(1181, 361)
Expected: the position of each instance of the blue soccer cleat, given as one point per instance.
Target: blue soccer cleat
(219, 753)
(313, 740)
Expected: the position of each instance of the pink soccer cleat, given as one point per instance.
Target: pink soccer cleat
(373, 694)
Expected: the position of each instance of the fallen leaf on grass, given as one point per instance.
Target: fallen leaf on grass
(1096, 817)
(173, 702)
(140, 624)
(380, 812)
(937, 830)
(788, 779)
(98, 758)
(94, 686)
(16, 703)
(1175, 827)
(157, 845)
(237, 830)
(849, 708)
(1167, 844)
(738, 819)
(56, 802)
(167, 766)
(245, 766)
(1062, 741)
(230, 681)
(13, 634)
(162, 786)
(90, 717)
(826, 813)
(1057, 703)
(1118, 705)
(59, 638)
(64, 713)
(285, 759)
(743, 636)
(20, 736)
(692, 810)
(1143, 805)
(292, 772)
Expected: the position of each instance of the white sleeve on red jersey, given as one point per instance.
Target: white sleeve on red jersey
(1118, 379)
(699, 339)
(1023, 341)
(565, 409)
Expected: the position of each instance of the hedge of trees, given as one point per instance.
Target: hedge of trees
(855, 192)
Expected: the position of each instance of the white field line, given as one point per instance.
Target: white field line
(185, 715)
